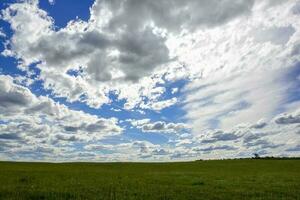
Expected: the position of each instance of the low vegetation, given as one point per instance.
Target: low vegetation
(215, 179)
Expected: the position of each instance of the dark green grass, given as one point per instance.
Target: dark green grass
(222, 179)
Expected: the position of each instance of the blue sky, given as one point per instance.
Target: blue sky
(110, 81)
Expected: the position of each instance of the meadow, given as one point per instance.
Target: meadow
(215, 179)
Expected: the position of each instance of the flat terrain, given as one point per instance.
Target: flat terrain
(220, 179)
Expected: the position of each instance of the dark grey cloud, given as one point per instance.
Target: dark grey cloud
(62, 47)
(296, 9)
(295, 50)
(71, 128)
(292, 118)
(12, 98)
(262, 144)
(258, 140)
(294, 149)
(93, 127)
(16, 98)
(9, 136)
(250, 137)
(159, 152)
(259, 125)
(94, 39)
(262, 152)
(98, 68)
(214, 148)
(41, 149)
(173, 14)
(139, 52)
(161, 126)
(44, 106)
(70, 138)
(221, 136)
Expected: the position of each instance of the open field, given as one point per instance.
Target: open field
(220, 179)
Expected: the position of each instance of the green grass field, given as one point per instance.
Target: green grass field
(220, 179)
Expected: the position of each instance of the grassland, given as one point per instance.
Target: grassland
(219, 179)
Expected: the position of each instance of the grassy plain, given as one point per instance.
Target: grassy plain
(215, 179)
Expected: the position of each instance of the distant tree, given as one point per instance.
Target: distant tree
(256, 156)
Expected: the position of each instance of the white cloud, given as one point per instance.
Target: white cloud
(159, 105)
(240, 76)
(113, 49)
(106, 58)
(174, 90)
(31, 120)
(116, 109)
(139, 122)
(260, 124)
(2, 34)
(241, 141)
(52, 2)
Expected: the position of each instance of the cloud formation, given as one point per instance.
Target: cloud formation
(160, 126)
(290, 118)
(31, 120)
(220, 77)
(123, 42)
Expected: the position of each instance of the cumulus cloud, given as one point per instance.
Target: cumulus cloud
(122, 42)
(105, 58)
(159, 105)
(174, 90)
(288, 118)
(52, 2)
(13, 97)
(6, 136)
(220, 136)
(214, 148)
(263, 144)
(172, 15)
(138, 122)
(129, 53)
(295, 149)
(239, 141)
(31, 120)
(161, 126)
(260, 124)
(159, 152)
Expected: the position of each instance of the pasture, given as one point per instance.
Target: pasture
(215, 179)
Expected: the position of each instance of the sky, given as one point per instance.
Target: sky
(143, 80)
